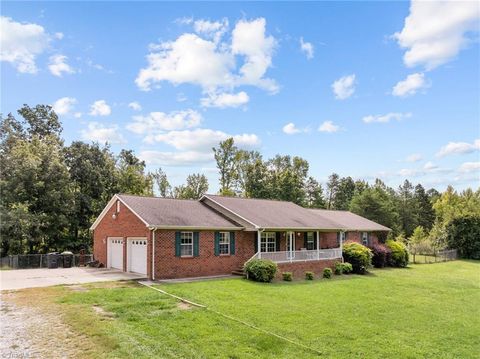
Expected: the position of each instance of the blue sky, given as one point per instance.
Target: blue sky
(366, 89)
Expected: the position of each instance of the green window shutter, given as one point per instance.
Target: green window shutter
(177, 244)
(195, 244)
(305, 240)
(368, 238)
(346, 236)
(255, 243)
(232, 243)
(217, 243)
(338, 239)
(277, 241)
(315, 240)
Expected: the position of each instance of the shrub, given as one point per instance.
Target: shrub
(338, 268)
(381, 255)
(327, 273)
(358, 255)
(287, 276)
(347, 268)
(463, 233)
(261, 270)
(399, 257)
(309, 275)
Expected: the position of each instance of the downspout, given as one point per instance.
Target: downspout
(153, 253)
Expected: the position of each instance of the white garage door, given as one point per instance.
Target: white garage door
(137, 255)
(115, 253)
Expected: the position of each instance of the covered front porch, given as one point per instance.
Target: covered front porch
(290, 246)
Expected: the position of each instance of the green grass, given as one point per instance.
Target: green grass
(419, 312)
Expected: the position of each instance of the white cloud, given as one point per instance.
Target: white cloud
(64, 105)
(435, 31)
(398, 116)
(59, 35)
(202, 139)
(410, 85)
(457, 148)
(97, 132)
(291, 129)
(468, 167)
(328, 126)
(224, 100)
(20, 44)
(211, 65)
(211, 29)
(186, 158)
(430, 166)
(100, 108)
(156, 122)
(58, 65)
(414, 157)
(135, 106)
(307, 48)
(77, 115)
(344, 87)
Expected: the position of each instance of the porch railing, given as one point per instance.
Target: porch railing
(303, 255)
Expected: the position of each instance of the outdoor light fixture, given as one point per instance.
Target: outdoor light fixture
(114, 216)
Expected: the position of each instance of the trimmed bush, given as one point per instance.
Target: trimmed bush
(261, 270)
(381, 255)
(347, 268)
(309, 275)
(327, 273)
(399, 256)
(338, 268)
(287, 276)
(358, 255)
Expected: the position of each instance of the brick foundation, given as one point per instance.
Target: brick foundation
(298, 269)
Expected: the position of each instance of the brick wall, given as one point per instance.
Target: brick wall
(298, 269)
(167, 265)
(125, 225)
(357, 237)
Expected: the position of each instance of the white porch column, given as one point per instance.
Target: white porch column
(341, 244)
(259, 241)
(290, 235)
(318, 245)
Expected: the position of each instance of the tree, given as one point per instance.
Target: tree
(463, 234)
(286, 178)
(226, 158)
(195, 188)
(257, 179)
(424, 212)
(161, 180)
(344, 193)
(406, 208)
(131, 175)
(314, 194)
(332, 186)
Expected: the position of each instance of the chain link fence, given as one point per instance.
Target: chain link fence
(25, 261)
(444, 255)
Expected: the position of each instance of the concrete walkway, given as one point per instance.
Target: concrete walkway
(30, 278)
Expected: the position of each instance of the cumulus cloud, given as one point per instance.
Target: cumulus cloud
(290, 129)
(64, 105)
(435, 31)
(211, 29)
(97, 132)
(202, 139)
(58, 65)
(397, 116)
(21, 43)
(306, 48)
(458, 148)
(344, 87)
(414, 157)
(195, 58)
(135, 106)
(224, 100)
(186, 158)
(329, 127)
(157, 122)
(100, 108)
(468, 167)
(410, 85)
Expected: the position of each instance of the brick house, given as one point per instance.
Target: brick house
(170, 238)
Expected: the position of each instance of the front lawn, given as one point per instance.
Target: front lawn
(422, 311)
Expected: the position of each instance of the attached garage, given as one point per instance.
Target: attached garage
(137, 255)
(115, 252)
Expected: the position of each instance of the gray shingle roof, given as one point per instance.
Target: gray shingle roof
(167, 212)
(349, 220)
(274, 214)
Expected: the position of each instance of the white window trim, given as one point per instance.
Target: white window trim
(182, 245)
(268, 238)
(365, 238)
(228, 243)
(311, 241)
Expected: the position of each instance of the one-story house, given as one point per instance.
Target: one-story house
(170, 238)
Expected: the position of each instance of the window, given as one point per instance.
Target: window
(365, 238)
(310, 241)
(224, 243)
(267, 242)
(186, 244)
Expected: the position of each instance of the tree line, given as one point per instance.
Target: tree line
(52, 193)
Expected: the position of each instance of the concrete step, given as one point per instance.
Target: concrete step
(238, 272)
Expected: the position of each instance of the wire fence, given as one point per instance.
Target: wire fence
(435, 257)
(26, 261)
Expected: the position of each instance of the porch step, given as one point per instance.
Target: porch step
(238, 271)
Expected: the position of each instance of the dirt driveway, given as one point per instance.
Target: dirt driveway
(31, 278)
